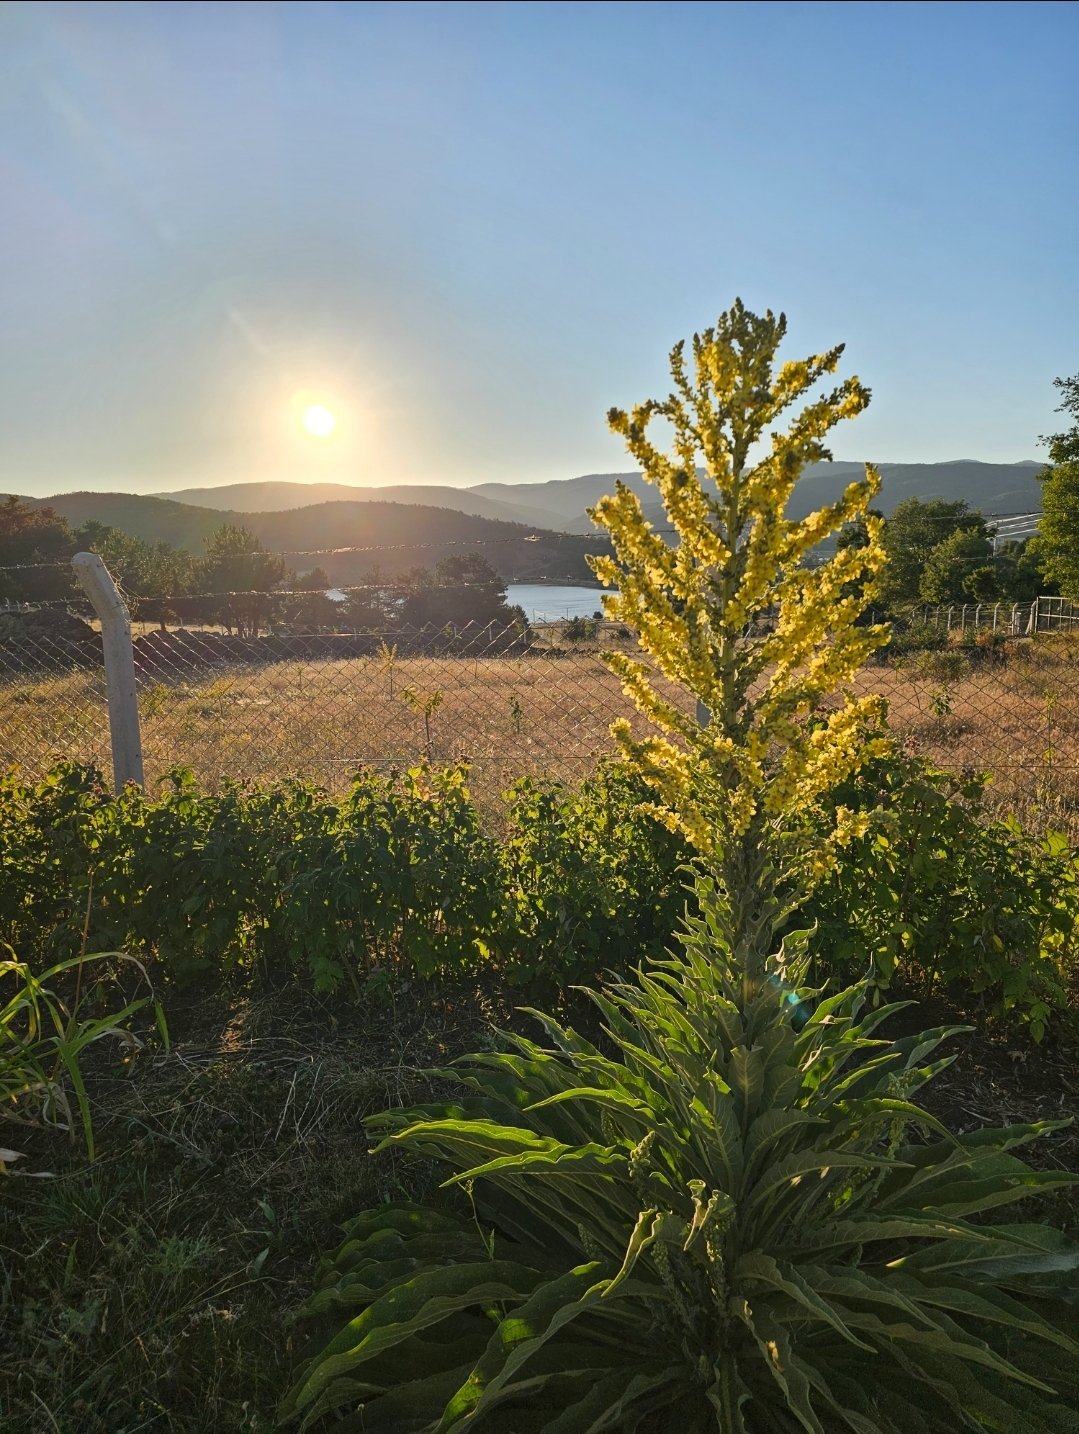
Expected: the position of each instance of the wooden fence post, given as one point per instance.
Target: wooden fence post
(96, 582)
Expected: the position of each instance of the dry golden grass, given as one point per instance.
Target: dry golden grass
(1017, 718)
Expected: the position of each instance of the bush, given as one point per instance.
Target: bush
(593, 880)
(253, 884)
(399, 876)
(398, 872)
(916, 637)
(944, 900)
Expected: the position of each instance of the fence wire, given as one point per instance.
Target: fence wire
(512, 702)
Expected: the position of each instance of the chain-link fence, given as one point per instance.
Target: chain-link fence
(512, 701)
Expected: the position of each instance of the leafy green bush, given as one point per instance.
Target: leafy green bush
(591, 878)
(55, 837)
(915, 637)
(727, 1224)
(398, 871)
(286, 882)
(945, 900)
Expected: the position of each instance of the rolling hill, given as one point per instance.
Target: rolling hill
(276, 497)
(401, 536)
(561, 503)
(404, 533)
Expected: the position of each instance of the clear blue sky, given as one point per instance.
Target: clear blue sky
(470, 229)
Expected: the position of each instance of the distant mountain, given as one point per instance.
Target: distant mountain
(154, 519)
(561, 503)
(277, 497)
(401, 536)
(549, 541)
(989, 487)
(563, 500)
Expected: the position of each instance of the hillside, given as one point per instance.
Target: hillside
(561, 503)
(421, 534)
(277, 497)
(154, 519)
(989, 487)
(402, 536)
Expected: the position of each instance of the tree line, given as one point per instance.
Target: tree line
(238, 584)
(945, 553)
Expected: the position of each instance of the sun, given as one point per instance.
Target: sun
(319, 421)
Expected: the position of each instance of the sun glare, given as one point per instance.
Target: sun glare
(318, 421)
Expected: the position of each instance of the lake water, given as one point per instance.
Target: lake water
(546, 602)
(542, 602)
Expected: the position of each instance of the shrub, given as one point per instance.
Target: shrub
(950, 664)
(286, 883)
(916, 637)
(399, 872)
(591, 876)
(944, 900)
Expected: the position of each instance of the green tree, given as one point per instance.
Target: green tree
(1020, 571)
(239, 568)
(952, 566)
(463, 589)
(1057, 543)
(316, 581)
(151, 575)
(37, 544)
(911, 534)
(369, 610)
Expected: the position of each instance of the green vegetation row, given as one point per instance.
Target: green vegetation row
(401, 878)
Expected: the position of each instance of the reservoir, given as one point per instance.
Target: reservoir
(542, 602)
(548, 602)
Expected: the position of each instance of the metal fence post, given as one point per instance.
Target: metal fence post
(96, 582)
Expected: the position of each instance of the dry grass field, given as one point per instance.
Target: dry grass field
(1013, 713)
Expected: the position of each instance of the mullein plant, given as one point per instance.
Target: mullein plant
(731, 771)
(728, 1212)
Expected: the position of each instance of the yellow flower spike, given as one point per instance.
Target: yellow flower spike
(761, 757)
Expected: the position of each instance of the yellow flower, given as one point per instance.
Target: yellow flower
(761, 757)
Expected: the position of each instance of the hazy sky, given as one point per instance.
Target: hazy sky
(470, 229)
